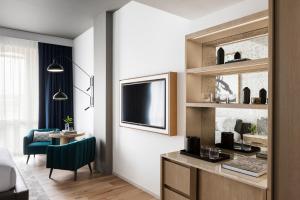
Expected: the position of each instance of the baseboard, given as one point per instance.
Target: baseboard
(136, 185)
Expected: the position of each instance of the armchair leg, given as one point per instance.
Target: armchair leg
(50, 172)
(90, 168)
(75, 175)
(27, 159)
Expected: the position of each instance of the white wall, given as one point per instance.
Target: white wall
(235, 11)
(149, 41)
(83, 55)
(146, 41)
(35, 37)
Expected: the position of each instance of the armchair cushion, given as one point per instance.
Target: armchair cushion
(41, 136)
(38, 147)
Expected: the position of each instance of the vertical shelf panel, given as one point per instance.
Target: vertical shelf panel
(200, 122)
(193, 54)
(199, 87)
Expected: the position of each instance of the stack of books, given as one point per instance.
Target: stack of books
(247, 165)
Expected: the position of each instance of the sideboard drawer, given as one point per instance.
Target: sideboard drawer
(177, 177)
(170, 195)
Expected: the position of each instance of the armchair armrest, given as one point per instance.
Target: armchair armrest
(61, 157)
(26, 141)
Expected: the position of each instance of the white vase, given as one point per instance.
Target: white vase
(67, 127)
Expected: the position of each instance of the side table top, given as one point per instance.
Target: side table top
(60, 135)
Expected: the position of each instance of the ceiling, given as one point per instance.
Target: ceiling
(69, 18)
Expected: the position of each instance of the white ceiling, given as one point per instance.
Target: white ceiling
(69, 18)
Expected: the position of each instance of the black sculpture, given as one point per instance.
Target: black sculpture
(237, 56)
(227, 140)
(246, 99)
(220, 56)
(263, 96)
(242, 128)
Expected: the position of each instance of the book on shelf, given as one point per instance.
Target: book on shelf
(247, 165)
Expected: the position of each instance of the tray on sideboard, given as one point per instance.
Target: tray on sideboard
(238, 148)
(222, 156)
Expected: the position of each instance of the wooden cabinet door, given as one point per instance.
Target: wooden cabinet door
(177, 177)
(215, 187)
(170, 195)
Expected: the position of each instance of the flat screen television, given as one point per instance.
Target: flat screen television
(144, 103)
(150, 103)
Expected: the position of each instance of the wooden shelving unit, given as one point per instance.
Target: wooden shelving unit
(231, 105)
(202, 71)
(201, 76)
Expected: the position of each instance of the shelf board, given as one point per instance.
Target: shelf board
(232, 68)
(240, 26)
(223, 105)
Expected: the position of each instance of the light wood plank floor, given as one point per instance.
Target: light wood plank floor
(87, 186)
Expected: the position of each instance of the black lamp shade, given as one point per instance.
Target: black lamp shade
(55, 67)
(60, 96)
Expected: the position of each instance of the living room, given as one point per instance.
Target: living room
(149, 99)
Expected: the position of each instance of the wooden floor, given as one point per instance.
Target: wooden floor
(87, 186)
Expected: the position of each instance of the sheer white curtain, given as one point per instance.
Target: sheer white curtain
(18, 91)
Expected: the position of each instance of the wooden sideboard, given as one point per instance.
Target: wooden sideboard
(186, 178)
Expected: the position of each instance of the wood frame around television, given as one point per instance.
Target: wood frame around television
(171, 103)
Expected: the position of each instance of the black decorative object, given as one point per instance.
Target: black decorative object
(263, 96)
(227, 140)
(238, 126)
(220, 56)
(241, 148)
(237, 56)
(222, 156)
(247, 92)
(242, 128)
(193, 145)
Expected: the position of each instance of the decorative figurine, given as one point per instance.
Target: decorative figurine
(255, 100)
(237, 56)
(220, 56)
(246, 99)
(263, 96)
(242, 127)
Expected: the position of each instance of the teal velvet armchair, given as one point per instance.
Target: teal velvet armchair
(71, 156)
(31, 148)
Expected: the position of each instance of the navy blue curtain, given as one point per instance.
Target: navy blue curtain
(52, 113)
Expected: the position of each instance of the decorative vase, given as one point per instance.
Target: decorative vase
(263, 96)
(246, 92)
(237, 56)
(67, 127)
(220, 56)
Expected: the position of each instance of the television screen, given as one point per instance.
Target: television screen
(144, 103)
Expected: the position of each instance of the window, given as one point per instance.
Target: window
(18, 91)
